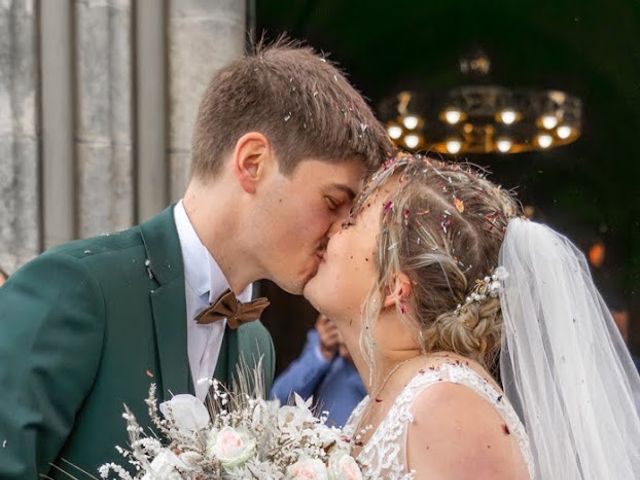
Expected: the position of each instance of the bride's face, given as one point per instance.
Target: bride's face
(347, 271)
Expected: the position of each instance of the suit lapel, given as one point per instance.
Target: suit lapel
(164, 259)
(221, 372)
(171, 337)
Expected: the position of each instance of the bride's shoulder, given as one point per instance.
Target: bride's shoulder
(451, 420)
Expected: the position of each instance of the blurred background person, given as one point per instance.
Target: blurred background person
(325, 371)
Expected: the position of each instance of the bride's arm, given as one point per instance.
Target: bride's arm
(459, 435)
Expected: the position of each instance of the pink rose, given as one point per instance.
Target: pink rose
(344, 467)
(307, 469)
(232, 447)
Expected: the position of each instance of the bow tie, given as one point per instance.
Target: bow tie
(236, 312)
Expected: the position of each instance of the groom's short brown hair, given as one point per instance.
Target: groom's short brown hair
(298, 99)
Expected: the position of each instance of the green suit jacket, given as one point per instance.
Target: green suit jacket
(85, 328)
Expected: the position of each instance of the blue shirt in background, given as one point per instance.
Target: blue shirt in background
(334, 384)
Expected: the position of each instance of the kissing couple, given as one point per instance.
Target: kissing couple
(486, 350)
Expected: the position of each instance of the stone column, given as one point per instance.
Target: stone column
(20, 213)
(104, 112)
(57, 159)
(203, 36)
(151, 104)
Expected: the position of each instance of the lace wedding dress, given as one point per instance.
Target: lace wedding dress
(384, 456)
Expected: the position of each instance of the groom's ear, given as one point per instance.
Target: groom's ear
(398, 290)
(251, 156)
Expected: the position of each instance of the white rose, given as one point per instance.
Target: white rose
(329, 436)
(165, 467)
(186, 412)
(232, 447)
(343, 466)
(307, 469)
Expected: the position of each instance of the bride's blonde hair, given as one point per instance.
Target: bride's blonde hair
(442, 226)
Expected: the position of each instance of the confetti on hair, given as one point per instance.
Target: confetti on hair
(459, 204)
(387, 207)
(445, 223)
(491, 220)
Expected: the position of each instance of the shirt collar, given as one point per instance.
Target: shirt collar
(195, 255)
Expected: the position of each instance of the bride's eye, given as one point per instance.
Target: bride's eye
(350, 221)
(347, 223)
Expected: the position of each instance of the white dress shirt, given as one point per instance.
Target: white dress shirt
(204, 283)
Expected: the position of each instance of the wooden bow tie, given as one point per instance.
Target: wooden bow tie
(236, 312)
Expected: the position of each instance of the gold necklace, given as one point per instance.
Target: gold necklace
(389, 375)
(359, 432)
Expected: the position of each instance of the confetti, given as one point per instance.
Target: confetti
(445, 223)
(387, 207)
(287, 117)
(149, 373)
(4, 444)
(459, 204)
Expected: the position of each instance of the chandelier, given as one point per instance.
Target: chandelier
(482, 118)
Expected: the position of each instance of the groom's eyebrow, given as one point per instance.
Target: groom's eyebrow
(343, 188)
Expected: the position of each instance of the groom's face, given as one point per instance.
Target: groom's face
(298, 212)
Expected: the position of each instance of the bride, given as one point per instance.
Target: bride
(487, 350)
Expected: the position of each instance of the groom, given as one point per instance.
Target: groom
(280, 146)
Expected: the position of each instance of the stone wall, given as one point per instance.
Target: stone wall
(97, 103)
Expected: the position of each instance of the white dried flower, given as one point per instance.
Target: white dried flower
(166, 466)
(501, 273)
(186, 412)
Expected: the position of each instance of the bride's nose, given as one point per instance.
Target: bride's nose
(335, 227)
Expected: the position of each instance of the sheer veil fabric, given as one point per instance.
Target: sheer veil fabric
(564, 365)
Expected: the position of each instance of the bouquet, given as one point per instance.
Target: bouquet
(237, 435)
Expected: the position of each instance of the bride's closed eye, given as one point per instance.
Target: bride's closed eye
(347, 223)
(350, 220)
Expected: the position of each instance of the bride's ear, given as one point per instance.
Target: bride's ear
(398, 291)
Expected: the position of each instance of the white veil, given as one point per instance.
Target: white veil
(564, 365)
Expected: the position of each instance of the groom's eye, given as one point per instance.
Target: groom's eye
(332, 203)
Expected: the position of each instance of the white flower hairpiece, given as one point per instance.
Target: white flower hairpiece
(488, 287)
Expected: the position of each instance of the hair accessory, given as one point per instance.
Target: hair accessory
(488, 287)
